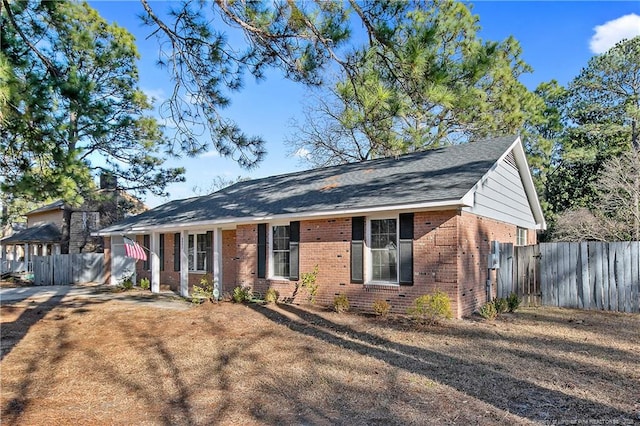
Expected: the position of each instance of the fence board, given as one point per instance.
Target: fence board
(635, 276)
(573, 275)
(626, 274)
(505, 273)
(544, 275)
(583, 293)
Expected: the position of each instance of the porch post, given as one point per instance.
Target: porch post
(184, 263)
(217, 262)
(115, 253)
(155, 262)
(27, 257)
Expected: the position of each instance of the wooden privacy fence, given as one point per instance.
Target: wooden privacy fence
(589, 275)
(65, 269)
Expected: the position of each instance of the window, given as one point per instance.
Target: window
(197, 252)
(384, 250)
(521, 239)
(281, 251)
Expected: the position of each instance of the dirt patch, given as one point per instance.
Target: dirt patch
(107, 362)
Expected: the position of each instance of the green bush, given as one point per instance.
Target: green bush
(308, 281)
(271, 296)
(381, 307)
(242, 294)
(488, 311)
(341, 303)
(501, 305)
(145, 284)
(513, 301)
(203, 291)
(126, 282)
(431, 308)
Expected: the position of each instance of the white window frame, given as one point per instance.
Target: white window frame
(521, 236)
(192, 252)
(368, 266)
(271, 228)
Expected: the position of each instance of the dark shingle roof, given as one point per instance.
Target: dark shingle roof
(56, 205)
(430, 176)
(44, 233)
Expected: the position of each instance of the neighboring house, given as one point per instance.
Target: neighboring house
(57, 227)
(392, 229)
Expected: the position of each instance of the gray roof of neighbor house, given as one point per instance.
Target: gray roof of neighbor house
(430, 176)
(56, 205)
(44, 233)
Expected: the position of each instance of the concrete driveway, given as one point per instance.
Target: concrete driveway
(95, 292)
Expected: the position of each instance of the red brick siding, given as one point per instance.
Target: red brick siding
(450, 253)
(475, 236)
(326, 242)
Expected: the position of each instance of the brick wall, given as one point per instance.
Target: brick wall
(327, 242)
(475, 236)
(80, 239)
(229, 261)
(450, 253)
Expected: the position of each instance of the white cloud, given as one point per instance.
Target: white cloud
(210, 154)
(303, 153)
(157, 95)
(611, 32)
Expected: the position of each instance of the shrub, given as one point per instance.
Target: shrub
(308, 281)
(145, 284)
(341, 303)
(431, 309)
(381, 307)
(202, 291)
(513, 301)
(242, 294)
(271, 296)
(488, 311)
(126, 282)
(501, 305)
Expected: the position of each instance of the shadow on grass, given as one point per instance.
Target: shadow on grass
(13, 332)
(476, 379)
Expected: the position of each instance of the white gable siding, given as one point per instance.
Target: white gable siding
(500, 195)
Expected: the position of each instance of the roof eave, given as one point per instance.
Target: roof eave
(425, 206)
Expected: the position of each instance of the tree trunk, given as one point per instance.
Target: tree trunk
(66, 230)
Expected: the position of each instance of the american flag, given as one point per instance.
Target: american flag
(134, 250)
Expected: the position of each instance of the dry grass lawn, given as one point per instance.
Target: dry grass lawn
(81, 361)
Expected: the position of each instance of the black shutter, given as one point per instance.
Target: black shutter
(405, 249)
(176, 251)
(145, 245)
(209, 250)
(357, 250)
(262, 250)
(294, 251)
(161, 254)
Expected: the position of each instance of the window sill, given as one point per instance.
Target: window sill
(381, 286)
(279, 278)
(198, 272)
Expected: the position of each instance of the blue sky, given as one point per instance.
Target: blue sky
(557, 40)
